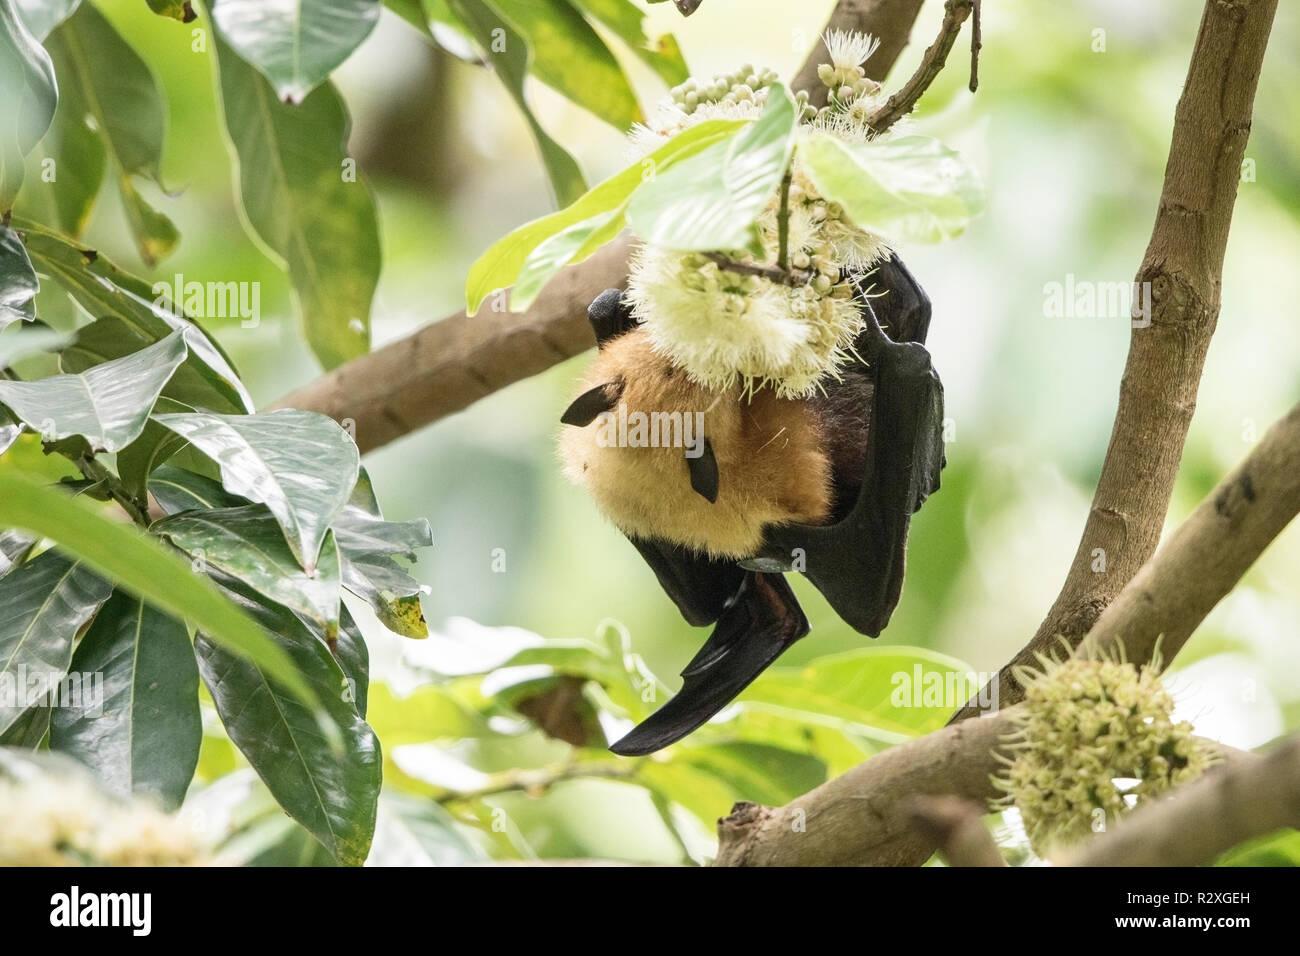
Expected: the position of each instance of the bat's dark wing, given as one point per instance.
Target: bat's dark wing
(758, 624)
(857, 562)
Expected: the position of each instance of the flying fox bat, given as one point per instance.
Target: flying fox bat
(825, 485)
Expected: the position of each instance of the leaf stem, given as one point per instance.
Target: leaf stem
(94, 470)
(790, 277)
(783, 221)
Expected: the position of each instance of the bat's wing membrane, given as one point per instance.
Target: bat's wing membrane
(761, 621)
(699, 586)
(857, 563)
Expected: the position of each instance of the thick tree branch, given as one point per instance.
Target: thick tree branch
(449, 365)
(862, 816)
(1206, 818)
(1183, 268)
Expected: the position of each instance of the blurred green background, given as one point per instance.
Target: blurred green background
(1072, 144)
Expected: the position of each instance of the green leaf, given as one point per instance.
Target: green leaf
(109, 85)
(570, 57)
(366, 545)
(195, 383)
(596, 212)
(14, 548)
(913, 188)
(45, 603)
(295, 45)
(247, 544)
(80, 160)
(627, 21)
(333, 795)
(9, 433)
(108, 404)
(176, 489)
(138, 460)
(711, 200)
(42, 16)
(25, 342)
(1275, 849)
(354, 658)
(174, 9)
(756, 772)
(364, 532)
(882, 693)
(133, 318)
(511, 58)
(18, 285)
(29, 730)
(414, 831)
(301, 465)
(145, 568)
(392, 594)
(28, 96)
(300, 194)
(142, 736)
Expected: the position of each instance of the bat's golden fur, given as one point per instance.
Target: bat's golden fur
(771, 464)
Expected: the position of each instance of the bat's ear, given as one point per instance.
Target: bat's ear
(704, 472)
(609, 316)
(586, 407)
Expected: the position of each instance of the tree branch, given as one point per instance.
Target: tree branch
(904, 100)
(449, 365)
(1183, 269)
(1204, 819)
(955, 827)
(1209, 552)
(889, 21)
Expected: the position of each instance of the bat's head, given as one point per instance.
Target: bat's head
(667, 458)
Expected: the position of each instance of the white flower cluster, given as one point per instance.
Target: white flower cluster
(62, 821)
(1094, 739)
(753, 326)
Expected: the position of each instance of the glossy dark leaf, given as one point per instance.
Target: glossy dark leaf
(144, 566)
(247, 544)
(18, 284)
(333, 794)
(301, 465)
(107, 404)
(132, 319)
(176, 489)
(142, 736)
(43, 605)
(14, 548)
